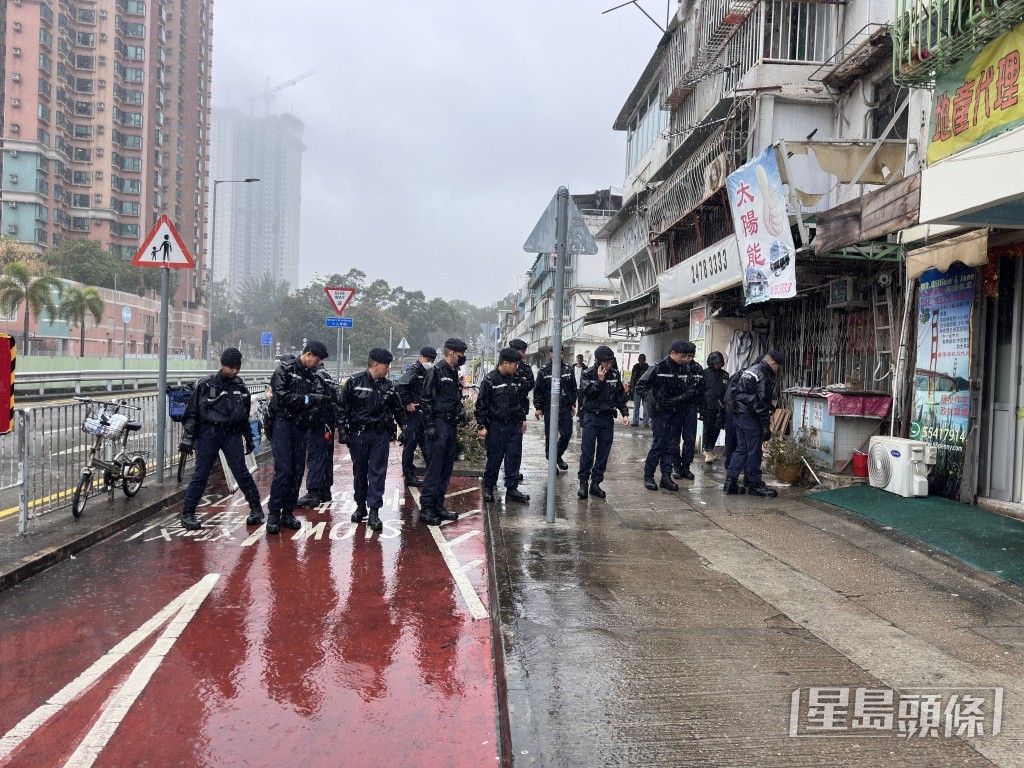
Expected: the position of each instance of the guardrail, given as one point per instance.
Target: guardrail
(39, 380)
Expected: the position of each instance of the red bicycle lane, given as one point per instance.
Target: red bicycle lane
(222, 647)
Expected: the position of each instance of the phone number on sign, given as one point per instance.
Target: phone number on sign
(943, 434)
(782, 288)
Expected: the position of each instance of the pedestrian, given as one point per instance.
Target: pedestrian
(370, 415)
(601, 395)
(566, 406)
(712, 409)
(294, 406)
(409, 388)
(442, 411)
(525, 372)
(501, 421)
(217, 419)
(671, 390)
(320, 444)
(750, 396)
(639, 369)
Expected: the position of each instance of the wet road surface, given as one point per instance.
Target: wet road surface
(223, 647)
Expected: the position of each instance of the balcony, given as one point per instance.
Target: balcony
(932, 36)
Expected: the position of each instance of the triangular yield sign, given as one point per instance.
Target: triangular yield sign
(542, 239)
(340, 297)
(163, 248)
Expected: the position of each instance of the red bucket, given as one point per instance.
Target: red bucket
(860, 465)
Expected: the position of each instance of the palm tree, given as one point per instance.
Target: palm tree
(19, 285)
(79, 302)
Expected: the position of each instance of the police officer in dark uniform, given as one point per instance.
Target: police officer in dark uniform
(442, 411)
(601, 395)
(409, 388)
(566, 405)
(217, 419)
(672, 388)
(295, 400)
(370, 410)
(525, 373)
(750, 397)
(501, 421)
(320, 445)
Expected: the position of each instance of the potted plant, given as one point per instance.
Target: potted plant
(786, 454)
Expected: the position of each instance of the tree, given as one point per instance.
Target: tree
(77, 304)
(260, 300)
(20, 285)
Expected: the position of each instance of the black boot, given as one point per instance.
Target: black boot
(411, 481)
(429, 517)
(325, 497)
(562, 465)
(677, 473)
(255, 514)
(731, 486)
(668, 484)
(514, 494)
(374, 522)
(762, 490)
(519, 477)
(595, 491)
(489, 494)
(189, 521)
(582, 492)
(360, 514)
(649, 483)
(446, 514)
(274, 523)
(288, 520)
(311, 499)
(684, 473)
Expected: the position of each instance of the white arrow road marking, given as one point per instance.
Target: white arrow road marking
(185, 606)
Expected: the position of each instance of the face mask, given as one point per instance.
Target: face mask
(462, 361)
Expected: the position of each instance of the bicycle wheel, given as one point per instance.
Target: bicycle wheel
(81, 494)
(134, 473)
(182, 460)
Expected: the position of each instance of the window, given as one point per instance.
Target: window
(84, 85)
(80, 223)
(83, 108)
(135, 8)
(131, 164)
(130, 230)
(45, 38)
(83, 131)
(83, 155)
(86, 39)
(85, 62)
(131, 209)
(86, 16)
(131, 186)
(44, 88)
(81, 178)
(80, 201)
(43, 113)
(45, 63)
(644, 129)
(136, 52)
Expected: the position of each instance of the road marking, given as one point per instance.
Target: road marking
(464, 537)
(186, 603)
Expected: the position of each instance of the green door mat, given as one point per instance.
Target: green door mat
(982, 539)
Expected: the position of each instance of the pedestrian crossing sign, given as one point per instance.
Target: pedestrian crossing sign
(163, 248)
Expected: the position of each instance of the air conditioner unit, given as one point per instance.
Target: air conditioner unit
(844, 294)
(102, 59)
(15, 102)
(715, 173)
(14, 178)
(15, 77)
(12, 204)
(103, 14)
(101, 106)
(900, 466)
(16, 51)
(15, 128)
(629, 346)
(14, 153)
(12, 229)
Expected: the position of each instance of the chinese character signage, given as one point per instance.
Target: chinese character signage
(978, 99)
(698, 329)
(762, 230)
(942, 382)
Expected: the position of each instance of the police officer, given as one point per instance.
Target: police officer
(750, 396)
(370, 410)
(566, 405)
(409, 388)
(671, 389)
(320, 445)
(294, 406)
(525, 373)
(501, 421)
(601, 395)
(217, 419)
(442, 410)
(712, 410)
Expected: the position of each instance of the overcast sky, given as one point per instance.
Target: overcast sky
(438, 130)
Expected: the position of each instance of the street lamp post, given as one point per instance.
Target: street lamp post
(213, 228)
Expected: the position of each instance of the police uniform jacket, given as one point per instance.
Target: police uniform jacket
(411, 384)
(751, 392)
(218, 400)
(668, 386)
(293, 388)
(602, 397)
(500, 399)
(525, 373)
(368, 404)
(329, 409)
(441, 397)
(542, 391)
(716, 380)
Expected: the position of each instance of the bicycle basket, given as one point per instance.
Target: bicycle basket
(177, 399)
(111, 430)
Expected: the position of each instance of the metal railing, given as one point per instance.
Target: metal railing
(38, 381)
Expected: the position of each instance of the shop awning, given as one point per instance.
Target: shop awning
(970, 249)
(635, 312)
(713, 269)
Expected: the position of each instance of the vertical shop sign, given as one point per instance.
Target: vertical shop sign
(698, 332)
(942, 382)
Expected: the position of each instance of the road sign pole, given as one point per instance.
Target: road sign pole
(161, 390)
(337, 354)
(341, 344)
(561, 236)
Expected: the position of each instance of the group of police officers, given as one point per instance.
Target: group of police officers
(308, 410)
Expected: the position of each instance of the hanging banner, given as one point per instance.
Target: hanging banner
(766, 247)
(942, 396)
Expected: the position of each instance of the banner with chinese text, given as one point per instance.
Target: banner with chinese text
(942, 397)
(978, 99)
(758, 206)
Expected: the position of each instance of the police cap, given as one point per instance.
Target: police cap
(380, 355)
(317, 349)
(455, 345)
(604, 354)
(429, 352)
(776, 356)
(518, 344)
(686, 347)
(508, 355)
(231, 357)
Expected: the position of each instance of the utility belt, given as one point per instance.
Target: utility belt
(513, 420)
(376, 427)
(451, 418)
(603, 414)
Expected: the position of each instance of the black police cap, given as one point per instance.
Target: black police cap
(686, 347)
(518, 344)
(455, 345)
(428, 352)
(317, 349)
(604, 353)
(380, 355)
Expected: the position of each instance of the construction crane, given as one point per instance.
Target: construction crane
(268, 92)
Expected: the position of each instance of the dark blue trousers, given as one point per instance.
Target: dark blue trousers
(688, 434)
(504, 443)
(319, 460)
(440, 461)
(414, 436)
(668, 426)
(564, 428)
(598, 432)
(730, 436)
(369, 452)
(289, 447)
(746, 459)
(210, 442)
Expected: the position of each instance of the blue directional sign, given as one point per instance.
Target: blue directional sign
(267, 339)
(338, 322)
